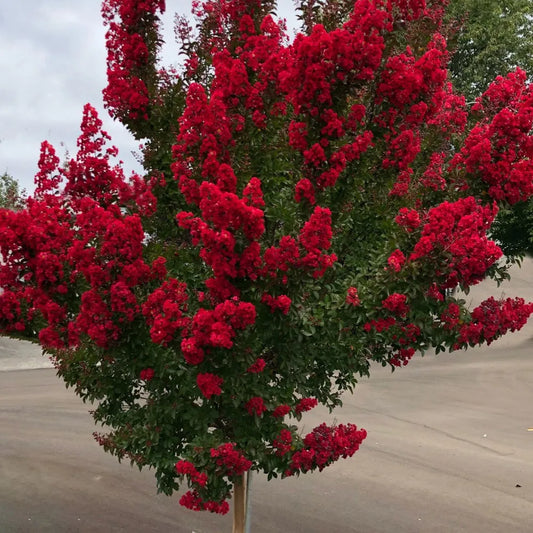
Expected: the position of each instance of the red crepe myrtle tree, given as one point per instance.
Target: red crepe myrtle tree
(305, 208)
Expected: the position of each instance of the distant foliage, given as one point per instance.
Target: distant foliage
(513, 230)
(11, 197)
(492, 37)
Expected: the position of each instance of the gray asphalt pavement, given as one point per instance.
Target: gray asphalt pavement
(449, 450)
(21, 355)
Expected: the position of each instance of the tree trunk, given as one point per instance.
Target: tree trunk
(239, 505)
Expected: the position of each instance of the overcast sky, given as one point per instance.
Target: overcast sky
(52, 62)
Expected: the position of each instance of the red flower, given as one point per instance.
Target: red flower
(396, 260)
(297, 135)
(395, 303)
(401, 187)
(50, 338)
(306, 404)
(315, 155)
(257, 367)
(193, 354)
(209, 384)
(316, 233)
(435, 293)
(451, 315)
(281, 303)
(234, 462)
(147, 374)
(304, 189)
(408, 218)
(255, 406)
(383, 324)
(460, 228)
(492, 319)
(325, 445)
(187, 468)
(402, 357)
(352, 298)
(280, 411)
(283, 442)
(192, 500)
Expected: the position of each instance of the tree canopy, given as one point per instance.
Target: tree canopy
(306, 205)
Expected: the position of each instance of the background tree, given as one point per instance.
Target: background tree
(304, 209)
(491, 38)
(11, 197)
(513, 230)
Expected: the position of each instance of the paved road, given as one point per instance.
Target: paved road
(21, 355)
(448, 451)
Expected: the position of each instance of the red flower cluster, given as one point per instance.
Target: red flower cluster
(63, 238)
(401, 186)
(298, 138)
(500, 152)
(277, 303)
(315, 237)
(281, 258)
(224, 214)
(450, 316)
(209, 384)
(492, 319)
(413, 93)
(192, 500)
(396, 304)
(188, 469)
(147, 374)
(280, 411)
(352, 298)
(322, 60)
(459, 229)
(316, 233)
(313, 69)
(216, 328)
(435, 293)
(123, 302)
(283, 442)
(407, 79)
(90, 174)
(403, 149)
(205, 133)
(306, 404)
(95, 320)
(433, 175)
(402, 357)
(325, 445)
(396, 260)
(126, 95)
(232, 461)
(408, 218)
(257, 367)
(164, 309)
(402, 338)
(305, 189)
(255, 406)
(382, 324)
